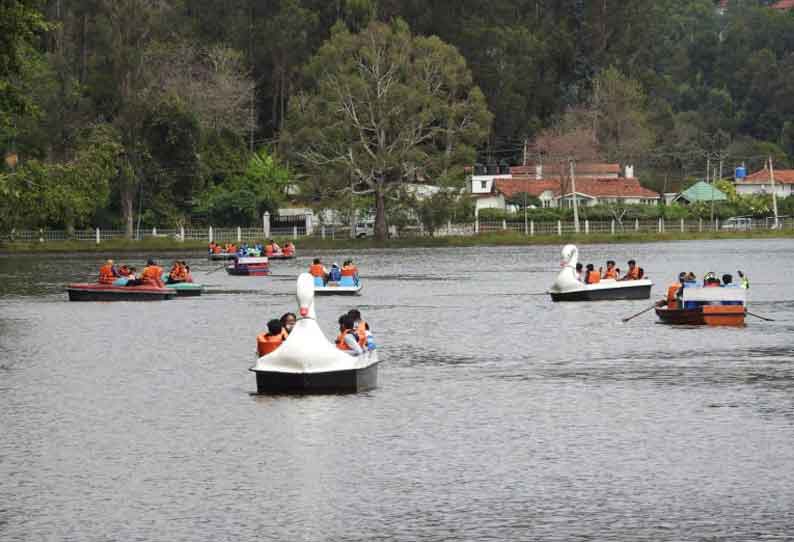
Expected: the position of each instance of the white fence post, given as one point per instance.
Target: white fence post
(154, 232)
(239, 234)
(476, 224)
(504, 224)
(182, 233)
(683, 228)
(636, 224)
(587, 227)
(700, 224)
(41, 235)
(209, 235)
(612, 227)
(322, 231)
(532, 228)
(309, 225)
(559, 227)
(659, 226)
(98, 236)
(266, 225)
(716, 224)
(294, 232)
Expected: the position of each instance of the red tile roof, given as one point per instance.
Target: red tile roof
(553, 169)
(782, 176)
(600, 187)
(783, 5)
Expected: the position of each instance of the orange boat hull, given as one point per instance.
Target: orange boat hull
(707, 315)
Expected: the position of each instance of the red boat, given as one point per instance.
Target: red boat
(707, 307)
(249, 267)
(108, 292)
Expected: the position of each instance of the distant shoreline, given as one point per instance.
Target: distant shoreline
(305, 244)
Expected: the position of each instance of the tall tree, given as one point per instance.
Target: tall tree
(384, 106)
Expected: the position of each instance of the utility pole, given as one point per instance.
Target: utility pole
(575, 199)
(524, 162)
(708, 166)
(774, 189)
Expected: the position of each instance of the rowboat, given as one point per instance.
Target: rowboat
(249, 267)
(716, 306)
(110, 292)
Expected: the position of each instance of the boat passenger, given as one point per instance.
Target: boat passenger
(710, 280)
(579, 272)
(361, 327)
(641, 273)
(727, 281)
(611, 272)
(107, 273)
(287, 323)
(633, 273)
(347, 340)
(591, 275)
(268, 342)
(123, 271)
(335, 273)
(318, 270)
(350, 270)
(217, 249)
(132, 278)
(744, 281)
(153, 274)
(674, 293)
(289, 249)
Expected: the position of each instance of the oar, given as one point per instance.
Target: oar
(764, 318)
(633, 316)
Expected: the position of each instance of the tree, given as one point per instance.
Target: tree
(384, 106)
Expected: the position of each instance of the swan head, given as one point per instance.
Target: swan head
(305, 295)
(569, 255)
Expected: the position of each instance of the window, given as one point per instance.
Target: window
(483, 185)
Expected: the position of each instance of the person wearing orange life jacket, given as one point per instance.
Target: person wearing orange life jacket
(591, 275)
(289, 249)
(611, 272)
(270, 341)
(350, 270)
(318, 270)
(674, 293)
(152, 274)
(360, 327)
(107, 273)
(633, 273)
(347, 340)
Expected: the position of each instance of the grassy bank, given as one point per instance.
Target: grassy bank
(316, 243)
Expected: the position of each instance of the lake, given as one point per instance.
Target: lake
(499, 416)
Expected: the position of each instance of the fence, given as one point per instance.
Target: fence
(298, 229)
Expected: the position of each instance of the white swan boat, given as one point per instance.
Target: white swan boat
(567, 287)
(307, 362)
(346, 286)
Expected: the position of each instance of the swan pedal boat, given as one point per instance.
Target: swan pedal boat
(707, 307)
(346, 286)
(111, 292)
(247, 266)
(567, 287)
(307, 362)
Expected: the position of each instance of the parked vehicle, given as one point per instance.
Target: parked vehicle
(738, 223)
(365, 229)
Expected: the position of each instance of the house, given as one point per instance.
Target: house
(590, 170)
(783, 5)
(760, 183)
(700, 192)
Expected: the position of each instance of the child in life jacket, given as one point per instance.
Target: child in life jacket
(288, 320)
(347, 340)
(268, 342)
(365, 339)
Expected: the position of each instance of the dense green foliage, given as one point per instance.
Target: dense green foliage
(183, 92)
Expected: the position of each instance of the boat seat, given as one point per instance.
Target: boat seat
(347, 281)
(121, 281)
(318, 282)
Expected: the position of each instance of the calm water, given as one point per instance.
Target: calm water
(500, 416)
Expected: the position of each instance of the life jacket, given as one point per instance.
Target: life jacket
(349, 271)
(316, 270)
(289, 249)
(633, 274)
(267, 343)
(106, 275)
(672, 299)
(361, 333)
(153, 274)
(610, 274)
(268, 250)
(340, 339)
(593, 277)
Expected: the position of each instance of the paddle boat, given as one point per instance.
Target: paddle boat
(307, 362)
(222, 255)
(182, 289)
(245, 266)
(567, 287)
(345, 286)
(113, 292)
(282, 256)
(713, 306)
